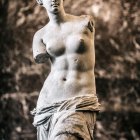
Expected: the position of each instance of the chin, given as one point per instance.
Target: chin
(55, 11)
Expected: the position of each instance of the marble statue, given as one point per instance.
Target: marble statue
(67, 104)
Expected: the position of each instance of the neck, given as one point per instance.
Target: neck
(57, 18)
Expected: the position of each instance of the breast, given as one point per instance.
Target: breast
(55, 47)
(77, 44)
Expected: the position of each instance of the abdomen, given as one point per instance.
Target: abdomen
(62, 85)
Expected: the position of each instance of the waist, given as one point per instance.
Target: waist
(67, 78)
(61, 86)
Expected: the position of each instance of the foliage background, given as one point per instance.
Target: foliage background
(117, 44)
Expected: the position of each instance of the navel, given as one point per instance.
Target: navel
(76, 60)
(64, 79)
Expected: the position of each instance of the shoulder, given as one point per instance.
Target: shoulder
(87, 17)
(39, 34)
(89, 21)
(85, 20)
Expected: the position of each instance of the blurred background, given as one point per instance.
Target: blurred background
(117, 44)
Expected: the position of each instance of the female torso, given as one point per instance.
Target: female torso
(70, 46)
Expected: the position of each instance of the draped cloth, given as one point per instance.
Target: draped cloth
(74, 117)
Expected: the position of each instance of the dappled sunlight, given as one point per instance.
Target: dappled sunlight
(117, 69)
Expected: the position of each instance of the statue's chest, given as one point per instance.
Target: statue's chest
(55, 44)
(70, 39)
